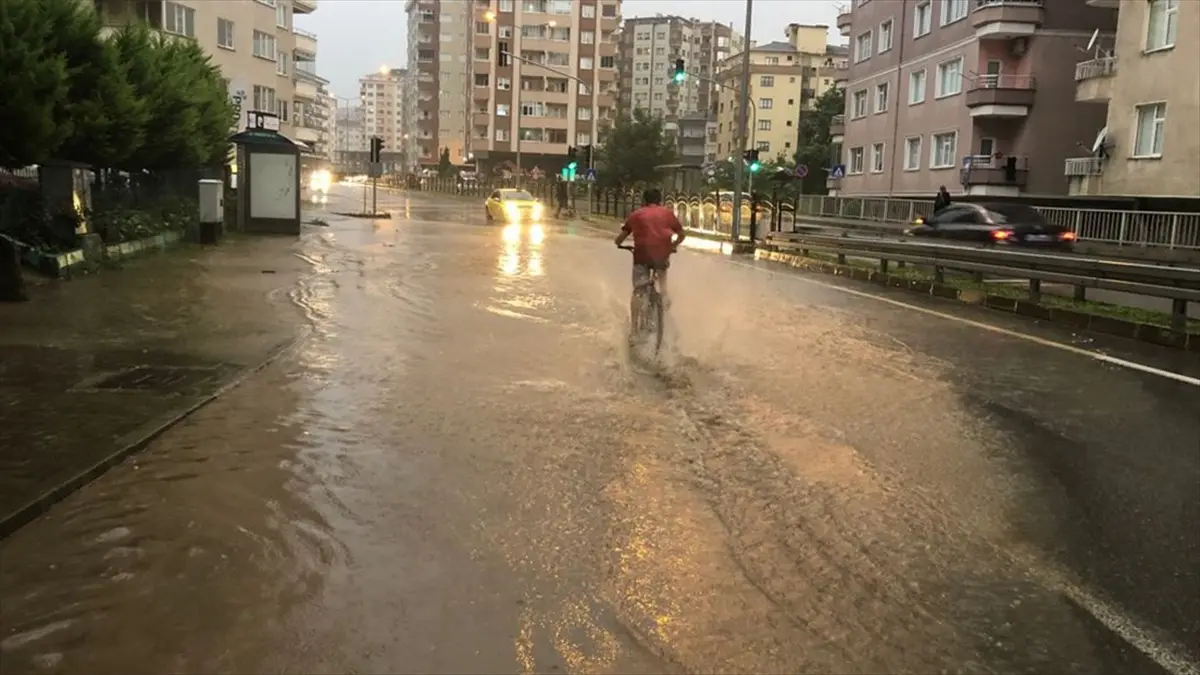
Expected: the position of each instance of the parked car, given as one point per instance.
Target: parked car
(1005, 224)
(513, 206)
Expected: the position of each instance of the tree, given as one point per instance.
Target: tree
(444, 166)
(815, 149)
(632, 148)
(34, 79)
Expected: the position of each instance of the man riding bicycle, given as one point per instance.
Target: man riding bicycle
(656, 234)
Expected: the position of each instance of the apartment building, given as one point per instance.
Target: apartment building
(785, 79)
(1146, 78)
(383, 96)
(647, 52)
(969, 94)
(252, 41)
(440, 50)
(350, 144)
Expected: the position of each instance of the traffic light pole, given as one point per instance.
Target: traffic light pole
(738, 168)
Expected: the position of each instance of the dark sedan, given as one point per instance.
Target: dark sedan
(1007, 224)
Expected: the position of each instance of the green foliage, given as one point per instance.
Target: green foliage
(815, 148)
(135, 101)
(444, 167)
(632, 148)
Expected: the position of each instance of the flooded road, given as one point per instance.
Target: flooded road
(462, 469)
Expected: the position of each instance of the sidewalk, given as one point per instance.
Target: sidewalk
(91, 368)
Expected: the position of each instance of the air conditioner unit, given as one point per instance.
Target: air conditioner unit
(1019, 46)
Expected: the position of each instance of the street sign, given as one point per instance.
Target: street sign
(801, 170)
(837, 171)
(374, 169)
(591, 175)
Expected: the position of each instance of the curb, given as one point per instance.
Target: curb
(135, 442)
(1142, 332)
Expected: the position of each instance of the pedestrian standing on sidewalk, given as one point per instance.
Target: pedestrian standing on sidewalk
(561, 189)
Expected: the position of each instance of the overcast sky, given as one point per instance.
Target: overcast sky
(356, 37)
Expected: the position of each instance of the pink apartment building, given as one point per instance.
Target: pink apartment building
(976, 95)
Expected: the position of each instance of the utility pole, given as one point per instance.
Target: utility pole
(738, 169)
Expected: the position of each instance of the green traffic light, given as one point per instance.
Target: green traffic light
(679, 77)
(572, 165)
(755, 167)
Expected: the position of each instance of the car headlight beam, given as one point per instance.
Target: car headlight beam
(512, 211)
(537, 211)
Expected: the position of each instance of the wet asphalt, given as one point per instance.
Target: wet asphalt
(463, 468)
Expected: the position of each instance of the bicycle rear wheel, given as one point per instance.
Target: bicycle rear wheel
(654, 314)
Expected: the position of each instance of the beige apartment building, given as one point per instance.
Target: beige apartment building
(439, 70)
(384, 114)
(785, 79)
(267, 63)
(534, 99)
(970, 94)
(1147, 80)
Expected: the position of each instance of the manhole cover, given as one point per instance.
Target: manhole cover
(166, 379)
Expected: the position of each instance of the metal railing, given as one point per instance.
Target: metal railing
(992, 3)
(304, 33)
(1083, 166)
(1104, 226)
(1003, 81)
(1180, 285)
(1101, 67)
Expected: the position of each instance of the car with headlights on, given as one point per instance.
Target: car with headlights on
(1003, 224)
(513, 206)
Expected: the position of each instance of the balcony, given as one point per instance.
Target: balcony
(1093, 80)
(1083, 166)
(1104, 4)
(986, 175)
(1007, 19)
(304, 6)
(844, 22)
(837, 128)
(1001, 96)
(305, 88)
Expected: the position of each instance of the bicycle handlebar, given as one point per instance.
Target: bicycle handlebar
(624, 247)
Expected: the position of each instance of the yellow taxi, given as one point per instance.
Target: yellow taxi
(513, 206)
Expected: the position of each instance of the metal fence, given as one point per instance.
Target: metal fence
(1107, 226)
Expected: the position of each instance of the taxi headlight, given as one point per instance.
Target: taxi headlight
(512, 211)
(537, 210)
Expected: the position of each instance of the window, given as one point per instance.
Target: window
(859, 103)
(881, 97)
(764, 125)
(225, 33)
(587, 37)
(264, 45)
(877, 158)
(281, 64)
(481, 79)
(281, 110)
(949, 78)
(885, 36)
(1151, 119)
(483, 28)
(766, 81)
(856, 161)
(587, 11)
(953, 10)
(916, 87)
(987, 147)
(281, 16)
(503, 83)
(766, 103)
(504, 32)
(483, 53)
(1162, 25)
(179, 20)
(763, 146)
(585, 63)
(502, 109)
(862, 47)
(264, 99)
(584, 113)
(608, 11)
(943, 150)
(502, 134)
(608, 62)
(923, 19)
(505, 5)
(912, 153)
(583, 138)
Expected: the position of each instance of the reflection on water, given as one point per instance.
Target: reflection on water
(522, 249)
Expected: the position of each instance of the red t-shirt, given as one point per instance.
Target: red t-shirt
(652, 228)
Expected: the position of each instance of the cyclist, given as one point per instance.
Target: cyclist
(656, 234)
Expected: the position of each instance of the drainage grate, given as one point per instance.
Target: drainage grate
(164, 379)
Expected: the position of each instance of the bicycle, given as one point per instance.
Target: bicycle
(650, 318)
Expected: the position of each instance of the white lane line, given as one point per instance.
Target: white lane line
(1097, 356)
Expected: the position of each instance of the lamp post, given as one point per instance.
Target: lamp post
(735, 232)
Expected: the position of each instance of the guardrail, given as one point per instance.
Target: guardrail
(1105, 226)
(1180, 285)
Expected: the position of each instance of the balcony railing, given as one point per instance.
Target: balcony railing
(1015, 3)
(304, 33)
(1083, 166)
(1101, 67)
(1001, 90)
(837, 125)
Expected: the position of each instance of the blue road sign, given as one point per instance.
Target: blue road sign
(837, 171)
(801, 170)
(591, 174)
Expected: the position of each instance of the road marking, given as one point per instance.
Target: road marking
(1097, 356)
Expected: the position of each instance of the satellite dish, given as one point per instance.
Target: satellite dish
(1092, 41)
(1098, 144)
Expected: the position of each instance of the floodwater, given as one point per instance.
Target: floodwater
(462, 468)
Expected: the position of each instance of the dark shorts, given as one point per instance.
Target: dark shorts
(641, 271)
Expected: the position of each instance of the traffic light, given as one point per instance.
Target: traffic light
(572, 162)
(587, 156)
(751, 158)
(376, 149)
(680, 74)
